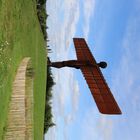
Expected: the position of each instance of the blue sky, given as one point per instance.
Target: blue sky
(112, 31)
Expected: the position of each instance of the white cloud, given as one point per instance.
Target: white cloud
(51, 134)
(105, 127)
(61, 33)
(75, 95)
(72, 16)
(97, 127)
(65, 102)
(89, 9)
(126, 82)
(127, 74)
(62, 26)
(62, 22)
(66, 90)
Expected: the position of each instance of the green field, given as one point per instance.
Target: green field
(21, 36)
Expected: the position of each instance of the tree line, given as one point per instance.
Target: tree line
(42, 17)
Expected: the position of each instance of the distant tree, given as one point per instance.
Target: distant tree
(42, 17)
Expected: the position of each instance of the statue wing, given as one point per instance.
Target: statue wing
(82, 50)
(95, 80)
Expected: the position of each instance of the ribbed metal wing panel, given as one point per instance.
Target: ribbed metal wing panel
(100, 91)
(95, 80)
(82, 50)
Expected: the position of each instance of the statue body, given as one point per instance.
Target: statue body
(71, 63)
(76, 64)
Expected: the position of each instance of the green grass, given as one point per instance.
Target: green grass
(19, 27)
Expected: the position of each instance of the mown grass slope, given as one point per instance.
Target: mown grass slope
(21, 36)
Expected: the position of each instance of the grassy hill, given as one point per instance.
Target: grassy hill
(21, 36)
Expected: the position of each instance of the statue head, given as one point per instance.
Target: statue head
(102, 64)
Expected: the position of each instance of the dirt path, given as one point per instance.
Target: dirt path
(19, 124)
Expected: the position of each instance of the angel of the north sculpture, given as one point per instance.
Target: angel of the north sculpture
(93, 76)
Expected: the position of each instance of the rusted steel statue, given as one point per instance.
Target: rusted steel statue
(93, 76)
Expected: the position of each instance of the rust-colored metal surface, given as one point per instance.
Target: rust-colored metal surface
(95, 80)
(82, 50)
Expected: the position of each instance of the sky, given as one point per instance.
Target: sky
(112, 31)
